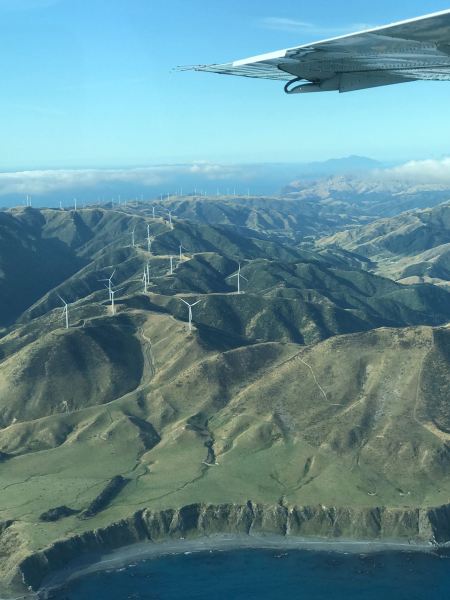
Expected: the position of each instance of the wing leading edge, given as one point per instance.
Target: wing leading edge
(417, 49)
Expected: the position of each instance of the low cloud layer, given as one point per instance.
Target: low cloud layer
(421, 171)
(51, 181)
(161, 179)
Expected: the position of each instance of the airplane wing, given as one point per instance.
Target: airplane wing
(417, 49)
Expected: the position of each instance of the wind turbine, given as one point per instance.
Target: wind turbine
(239, 277)
(149, 240)
(170, 218)
(153, 211)
(171, 265)
(75, 203)
(109, 280)
(190, 311)
(145, 280)
(113, 306)
(181, 248)
(65, 311)
(132, 236)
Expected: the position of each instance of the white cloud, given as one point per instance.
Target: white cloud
(421, 171)
(42, 182)
(306, 28)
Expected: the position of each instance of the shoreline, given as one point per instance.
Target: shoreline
(126, 556)
(203, 527)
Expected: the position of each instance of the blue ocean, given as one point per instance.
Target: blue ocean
(250, 574)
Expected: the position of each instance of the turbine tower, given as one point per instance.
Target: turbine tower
(170, 218)
(149, 240)
(239, 277)
(109, 280)
(113, 306)
(132, 236)
(190, 311)
(65, 311)
(181, 248)
(153, 211)
(144, 279)
(171, 265)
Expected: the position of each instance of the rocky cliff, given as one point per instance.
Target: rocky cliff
(196, 520)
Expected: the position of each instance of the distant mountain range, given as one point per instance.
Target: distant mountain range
(411, 247)
(50, 187)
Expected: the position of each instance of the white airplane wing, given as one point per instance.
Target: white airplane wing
(411, 50)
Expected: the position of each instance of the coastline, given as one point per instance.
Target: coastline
(128, 555)
(204, 527)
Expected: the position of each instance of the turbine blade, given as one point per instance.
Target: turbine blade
(187, 303)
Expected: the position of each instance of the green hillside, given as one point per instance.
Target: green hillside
(412, 247)
(321, 384)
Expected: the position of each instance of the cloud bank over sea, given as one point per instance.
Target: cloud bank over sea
(51, 185)
(421, 171)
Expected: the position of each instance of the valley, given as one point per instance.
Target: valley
(323, 383)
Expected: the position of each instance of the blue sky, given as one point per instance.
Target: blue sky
(89, 84)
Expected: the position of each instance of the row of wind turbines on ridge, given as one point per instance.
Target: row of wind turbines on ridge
(146, 276)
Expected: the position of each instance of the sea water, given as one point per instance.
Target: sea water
(251, 574)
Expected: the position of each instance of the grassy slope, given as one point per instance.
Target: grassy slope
(317, 424)
(356, 419)
(411, 247)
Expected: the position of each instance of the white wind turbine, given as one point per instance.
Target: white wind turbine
(149, 240)
(190, 306)
(170, 218)
(171, 265)
(113, 306)
(132, 236)
(181, 248)
(239, 277)
(145, 280)
(109, 280)
(153, 211)
(65, 311)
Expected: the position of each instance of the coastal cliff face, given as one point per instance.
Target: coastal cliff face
(199, 520)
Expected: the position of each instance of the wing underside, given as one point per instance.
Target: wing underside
(418, 49)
